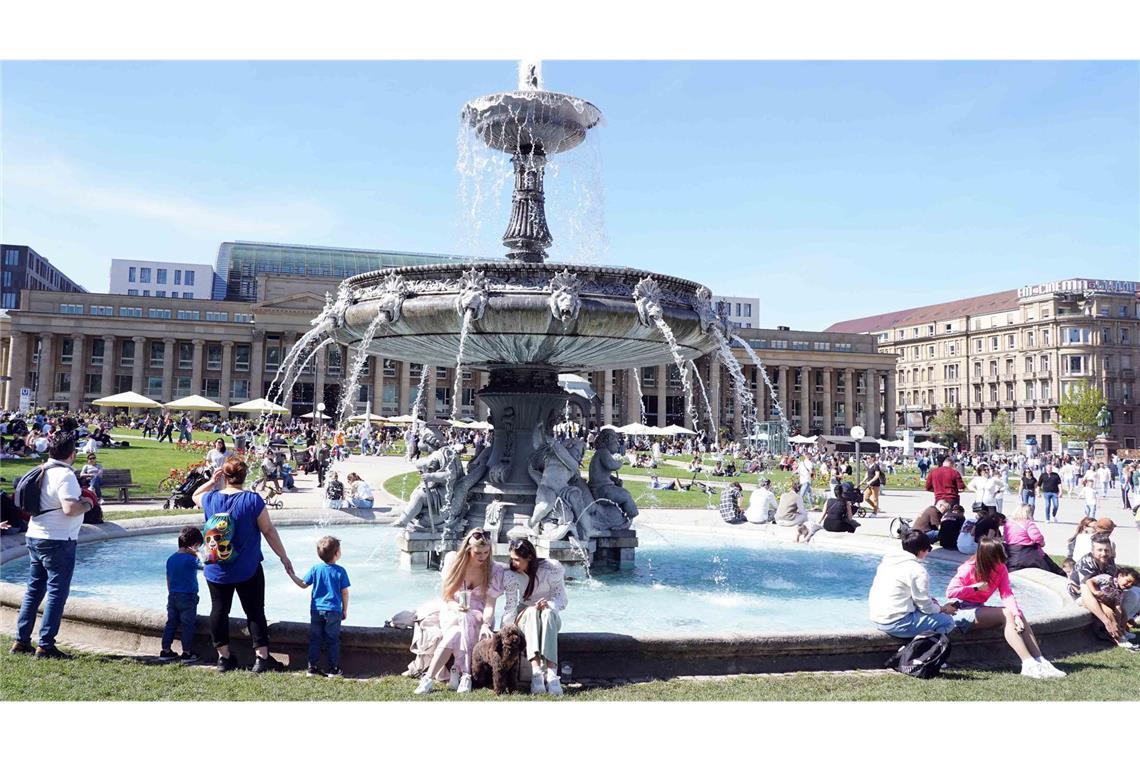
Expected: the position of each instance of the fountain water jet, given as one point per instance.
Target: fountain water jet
(767, 382)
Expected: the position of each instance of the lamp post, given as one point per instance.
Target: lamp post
(858, 433)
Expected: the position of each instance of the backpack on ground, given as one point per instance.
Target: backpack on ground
(924, 656)
(30, 488)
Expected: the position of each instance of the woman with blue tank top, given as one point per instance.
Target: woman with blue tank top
(236, 520)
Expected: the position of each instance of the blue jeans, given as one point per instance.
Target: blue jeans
(362, 503)
(181, 615)
(324, 633)
(1028, 497)
(1052, 501)
(805, 493)
(52, 564)
(916, 622)
(97, 485)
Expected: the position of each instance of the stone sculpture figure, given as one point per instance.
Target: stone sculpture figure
(473, 294)
(455, 510)
(391, 294)
(565, 298)
(604, 482)
(439, 473)
(554, 468)
(647, 299)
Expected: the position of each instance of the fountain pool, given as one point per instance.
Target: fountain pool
(684, 584)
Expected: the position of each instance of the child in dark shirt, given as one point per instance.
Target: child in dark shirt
(329, 606)
(1107, 589)
(182, 596)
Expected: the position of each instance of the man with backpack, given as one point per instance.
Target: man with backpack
(900, 600)
(52, 495)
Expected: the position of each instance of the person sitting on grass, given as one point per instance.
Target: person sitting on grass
(974, 583)
(695, 466)
(1101, 560)
(182, 596)
(730, 510)
(328, 607)
(655, 484)
(1109, 589)
(900, 601)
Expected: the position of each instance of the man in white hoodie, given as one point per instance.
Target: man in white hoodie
(900, 599)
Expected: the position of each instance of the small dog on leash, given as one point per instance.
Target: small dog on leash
(495, 661)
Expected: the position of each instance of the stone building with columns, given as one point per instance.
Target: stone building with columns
(72, 348)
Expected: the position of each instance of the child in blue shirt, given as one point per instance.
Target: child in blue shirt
(182, 596)
(329, 606)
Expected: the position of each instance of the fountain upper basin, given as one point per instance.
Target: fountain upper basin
(533, 120)
(559, 315)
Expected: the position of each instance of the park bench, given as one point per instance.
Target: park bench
(120, 480)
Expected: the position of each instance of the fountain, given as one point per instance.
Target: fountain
(524, 320)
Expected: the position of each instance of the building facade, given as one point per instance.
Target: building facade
(740, 313)
(162, 279)
(24, 269)
(73, 348)
(1017, 351)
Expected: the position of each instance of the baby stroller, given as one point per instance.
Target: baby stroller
(181, 496)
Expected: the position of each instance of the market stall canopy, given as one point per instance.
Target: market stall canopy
(259, 405)
(195, 404)
(130, 399)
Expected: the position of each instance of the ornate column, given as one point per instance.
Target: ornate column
(108, 383)
(140, 362)
(198, 368)
(828, 417)
(868, 402)
(891, 413)
(78, 371)
(17, 369)
(714, 392)
(849, 398)
(290, 338)
(760, 397)
(377, 383)
(662, 393)
(45, 388)
(227, 372)
(782, 392)
(607, 397)
(169, 360)
(805, 400)
(257, 365)
(632, 397)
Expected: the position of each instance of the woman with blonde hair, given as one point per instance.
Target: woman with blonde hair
(1025, 542)
(472, 583)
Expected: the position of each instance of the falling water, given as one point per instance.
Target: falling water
(457, 389)
(679, 361)
(348, 398)
(420, 394)
(744, 400)
(640, 395)
(291, 368)
(710, 419)
(768, 382)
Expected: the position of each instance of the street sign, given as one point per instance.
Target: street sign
(25, 399)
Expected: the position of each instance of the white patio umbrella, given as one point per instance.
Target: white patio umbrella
(320, 415)
(677, 430)
(195, 404)
(636, 428)
(368, 417)
(403, 419)
(885, 444)
(928, 445)
(802, 439)
(130, 399)
(259, 405)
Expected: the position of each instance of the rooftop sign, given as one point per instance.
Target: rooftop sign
(1080, 286)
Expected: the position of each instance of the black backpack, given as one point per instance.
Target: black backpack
(923, 656)
(29, 489)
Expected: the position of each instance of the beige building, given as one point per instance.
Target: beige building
(1017, 351)
(71, 348)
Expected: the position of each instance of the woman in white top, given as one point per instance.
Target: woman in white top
(985, 487)
(360, 493)
(218, 455)
(541, 596)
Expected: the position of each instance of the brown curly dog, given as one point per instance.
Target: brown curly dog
(495, 661)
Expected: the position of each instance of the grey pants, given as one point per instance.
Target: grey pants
(541, 629)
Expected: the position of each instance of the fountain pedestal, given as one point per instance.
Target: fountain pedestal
(525, 404)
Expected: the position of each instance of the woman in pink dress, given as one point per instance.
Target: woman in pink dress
(472, 583)
(974, 583)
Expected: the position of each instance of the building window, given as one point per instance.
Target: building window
(127, 355)
(146, 293)
(131, 274)
(1030, 339)
(189, 314)
(130, 311)
(1010, 341)
(188, 278)
(1074, 365)
(9, 301)
(158, 313)
(182, 386)
(212, 387)
(389, 368)
(102, 311)
(132, 291)
(157, 354)
(63, 382)
(122, 383)
(154, 386)
(1125, 338)
(930, 351)
(1045, 337)
(240, 389)
(144, 274)
(978, 345)
(1044, 362)
(217, 316)
(952, 349)
(160, 293)
(1009, 367)
(187, 295)
(994, 343)
(67, 351)
(177, 276)
(93, 384)
(185, 356)
(213, 356)
(801, 345)
(98, 347)
(1029, 364)
(243, 317)
(71, 308)
(1046, 415)
(241, 357)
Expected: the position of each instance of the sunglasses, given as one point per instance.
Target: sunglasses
(480, 535)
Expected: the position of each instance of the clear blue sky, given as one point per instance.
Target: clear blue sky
(828, 190)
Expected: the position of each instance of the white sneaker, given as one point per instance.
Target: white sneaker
(425, 686)
(1031, 669)
(464, 683)
(553, 685)
(1129, 636)
(453, 679)
(537, 684)
(1048, 670)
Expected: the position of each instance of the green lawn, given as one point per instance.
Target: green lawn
(1104, 675)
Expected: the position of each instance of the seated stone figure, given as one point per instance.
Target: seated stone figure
(614, 507)
(430, 503)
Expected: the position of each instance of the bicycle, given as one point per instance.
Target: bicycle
(273, 497)
(899, 527)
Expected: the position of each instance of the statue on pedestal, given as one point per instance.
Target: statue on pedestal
(430, 505)
(605, 485)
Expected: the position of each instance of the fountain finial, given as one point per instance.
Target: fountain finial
(530, 75)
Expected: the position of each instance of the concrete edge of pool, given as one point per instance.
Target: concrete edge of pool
(368, 651)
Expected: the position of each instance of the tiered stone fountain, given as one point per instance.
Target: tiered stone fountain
(525, 320)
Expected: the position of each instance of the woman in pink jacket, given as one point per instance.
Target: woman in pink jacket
(974, 583)
(1025, 544)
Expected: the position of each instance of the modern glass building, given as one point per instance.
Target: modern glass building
(239, 263)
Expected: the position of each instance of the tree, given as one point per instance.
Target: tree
(1078, 412)
(946, 426)
(1000, 431)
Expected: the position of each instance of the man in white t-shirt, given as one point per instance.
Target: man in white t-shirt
(762, 504)
(804, 471)
(51, 541)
